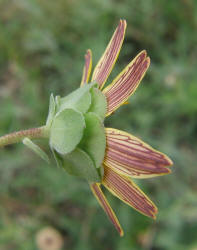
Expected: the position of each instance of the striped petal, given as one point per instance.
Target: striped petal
(108, 59)
(130, 156)
(126, 82)
(123, 188)
(95, 187)
(87, 67)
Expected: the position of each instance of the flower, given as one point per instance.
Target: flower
(85, 148)
(49, 238)
(125, 155)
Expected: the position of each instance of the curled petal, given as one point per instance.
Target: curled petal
(126, 82)
(123, 188)
(87, 67)
(128, 155)
(108, 59)
(95, 187)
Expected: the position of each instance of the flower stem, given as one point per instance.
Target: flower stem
(33, 133)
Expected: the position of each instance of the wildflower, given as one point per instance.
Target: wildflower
(83, 147)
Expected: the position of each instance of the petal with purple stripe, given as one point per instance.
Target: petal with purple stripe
(127, 191)
(109, 57)
(125, 84)
(128, 155)
(87, 67)
(95, 187)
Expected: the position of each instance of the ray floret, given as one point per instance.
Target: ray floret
(95, 187)
(125, 155)
(109, 57)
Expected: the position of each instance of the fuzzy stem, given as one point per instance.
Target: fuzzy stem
(18, 136)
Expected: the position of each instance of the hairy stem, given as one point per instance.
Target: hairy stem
(18, 136)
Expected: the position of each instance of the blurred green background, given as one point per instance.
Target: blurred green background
(42, 46)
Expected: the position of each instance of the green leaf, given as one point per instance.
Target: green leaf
(79, 163)
(58, 158)
(57, 102)
(99, 103)
(94, 139)
(51, 113)
(36, 149)
(79, 99)
(66, 130)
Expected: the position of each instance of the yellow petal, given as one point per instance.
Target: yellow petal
(123, 188)
(95, 187)
(87, 67)
(125, 84)
(109, 57)
(129, 156)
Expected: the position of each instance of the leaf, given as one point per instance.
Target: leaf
(58, 158)
(36, 149)
(57, 101)
(51, 113)
(79, 99)
(79, 163)
(66, 130)
(99, 103)
(94, 139)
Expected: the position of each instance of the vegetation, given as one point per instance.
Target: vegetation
(42, 47)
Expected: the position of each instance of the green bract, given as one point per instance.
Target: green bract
(36, 149)
(79, 99)
(66, 130)
(76, 131)
(80, 164)
(52, 108)
(98, 104)
(93, 141)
